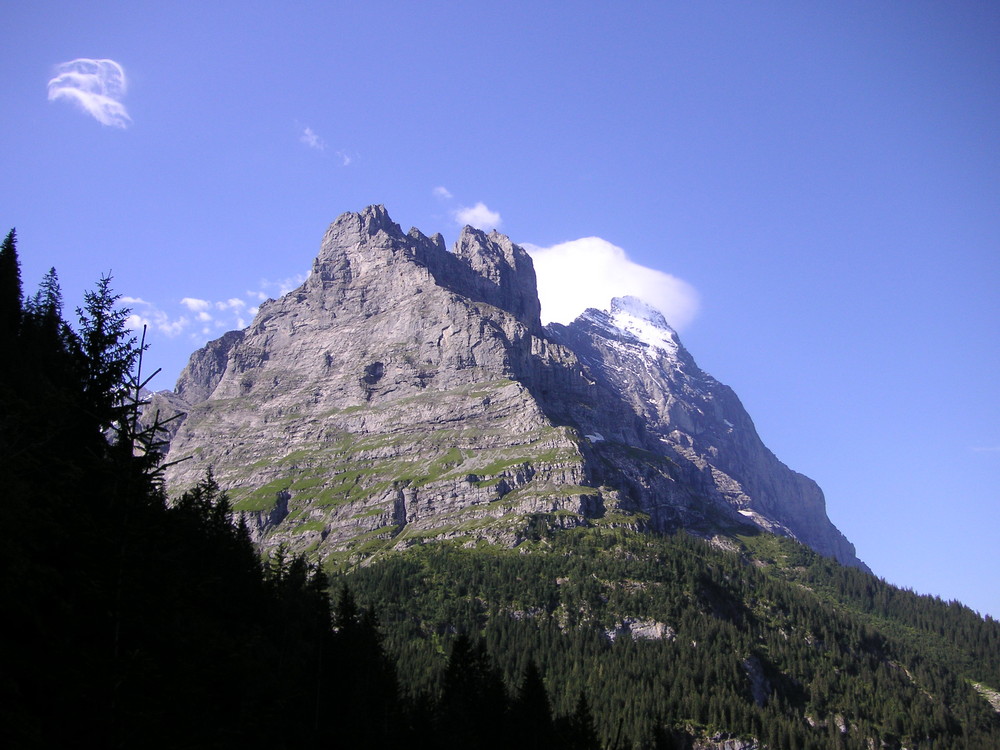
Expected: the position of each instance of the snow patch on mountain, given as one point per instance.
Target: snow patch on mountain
(643, 322)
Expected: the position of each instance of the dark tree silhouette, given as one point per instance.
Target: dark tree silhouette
(531, 715)
(10, 289)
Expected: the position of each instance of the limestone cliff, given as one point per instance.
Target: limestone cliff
(698, 423)
(405, 392)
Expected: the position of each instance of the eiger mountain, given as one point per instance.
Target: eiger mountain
(407, 399)
(405, 392)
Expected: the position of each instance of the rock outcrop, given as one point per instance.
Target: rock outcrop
(697, 422)
(406, 392)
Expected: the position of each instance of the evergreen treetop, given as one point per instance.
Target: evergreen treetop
(10, 288)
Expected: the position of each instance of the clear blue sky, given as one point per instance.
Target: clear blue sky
(824, 178)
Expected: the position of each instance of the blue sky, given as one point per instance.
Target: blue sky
(812, 190)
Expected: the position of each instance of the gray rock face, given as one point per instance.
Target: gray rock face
(206, 367)
(699, 423)
(378, 404)
(406, 392)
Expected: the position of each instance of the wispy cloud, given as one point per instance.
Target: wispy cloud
(588, 272)
(233, 303)
(986, 449)
(196, 305)
(97, 86)
(478, 216)
(277, 288)
(200, 317)
(153, 318)
(312, 140)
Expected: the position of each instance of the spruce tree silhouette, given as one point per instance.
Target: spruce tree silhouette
(531, 715)
(472, 710)
(10, 289)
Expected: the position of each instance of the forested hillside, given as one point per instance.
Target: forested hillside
(669, 637)
(131, 622)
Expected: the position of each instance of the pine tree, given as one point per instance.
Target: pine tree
(47, 301)
(579, 732)
(531, 713)
(473, 699)
(43, 324)
(10, 289)
(109, 352)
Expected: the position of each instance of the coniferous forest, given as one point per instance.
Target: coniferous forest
(131, 621)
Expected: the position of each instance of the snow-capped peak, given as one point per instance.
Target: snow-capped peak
(637, 308)
(644, 322)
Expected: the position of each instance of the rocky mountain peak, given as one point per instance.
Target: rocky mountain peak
(405, 392)
(506, 275)
(370, 221)
(698, 422)
(630, 319)
(630, 307)
(486, 267)
(360, 242)
(638, 319)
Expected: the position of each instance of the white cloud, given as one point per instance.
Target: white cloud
(312, 140)
(281, 286)
(196, 305)
(153, 318)
(233, 303)
(345, 158)
(478, 216)
(442, 193)
(203, 318)
(588, 272)
(97, 86)
(171, 328)
(232, 313)
(136, 322)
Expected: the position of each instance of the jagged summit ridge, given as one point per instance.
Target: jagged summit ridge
(485, 267)
(405, 392)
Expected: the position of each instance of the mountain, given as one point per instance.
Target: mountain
(405, 392)
(698, 422)
(143, 622)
